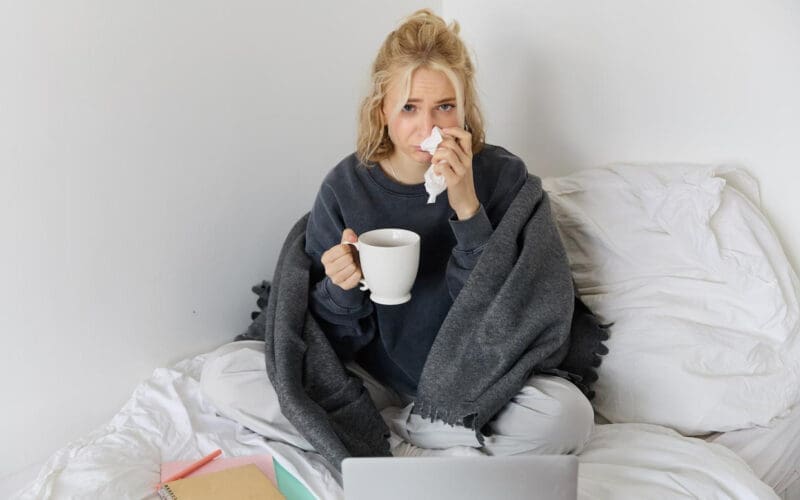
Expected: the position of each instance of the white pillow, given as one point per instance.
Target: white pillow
(703, 299)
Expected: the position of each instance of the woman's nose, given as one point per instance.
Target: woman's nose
(427, 123)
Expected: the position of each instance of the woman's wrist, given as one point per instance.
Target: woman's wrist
(469, 211)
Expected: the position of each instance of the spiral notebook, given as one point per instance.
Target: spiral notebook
(287, 483)
(245, 482)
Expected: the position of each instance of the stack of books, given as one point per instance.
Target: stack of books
(234, 478)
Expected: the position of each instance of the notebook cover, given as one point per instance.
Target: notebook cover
(290, 486)
(263, 462)
(245, 482)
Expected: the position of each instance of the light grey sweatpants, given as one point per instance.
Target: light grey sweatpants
(548, 416)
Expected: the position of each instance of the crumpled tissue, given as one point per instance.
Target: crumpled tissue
(434, 183)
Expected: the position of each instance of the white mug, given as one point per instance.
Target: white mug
(389, 262)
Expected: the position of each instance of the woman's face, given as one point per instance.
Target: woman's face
(432, 101)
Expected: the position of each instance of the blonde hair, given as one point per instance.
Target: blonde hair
(422, 40)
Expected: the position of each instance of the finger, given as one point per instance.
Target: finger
(444, 168)
(452, 144)
(337, 252)
(443, 153)
(449, 160)
(334, 253)
(349, 235)
(449, 142)
(456, 161)
(352, 281)
(463, 137)
(345, 273)
(341, 263)
(349, 277)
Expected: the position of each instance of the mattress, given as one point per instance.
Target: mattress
(168, 419)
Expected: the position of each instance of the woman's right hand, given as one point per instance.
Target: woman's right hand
(341, 262)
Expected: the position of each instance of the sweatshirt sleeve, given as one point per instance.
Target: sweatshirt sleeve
(472, 234)
(344, 315)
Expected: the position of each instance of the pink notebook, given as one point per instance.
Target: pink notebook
(263, 462)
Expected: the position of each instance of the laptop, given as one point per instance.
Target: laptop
(541, 477)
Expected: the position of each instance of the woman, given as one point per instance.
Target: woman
(422, 78)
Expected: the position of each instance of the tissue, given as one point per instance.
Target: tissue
(434, 183)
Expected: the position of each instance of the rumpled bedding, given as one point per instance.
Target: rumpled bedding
(704, 302)
(167, 419)
(772, 452)
(649, 461)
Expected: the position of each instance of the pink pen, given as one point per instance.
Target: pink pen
(191, 468)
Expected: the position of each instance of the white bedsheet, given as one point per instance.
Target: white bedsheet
(772, 452)
(635, 461)
(167, 419)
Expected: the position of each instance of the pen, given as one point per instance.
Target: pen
(191, 468)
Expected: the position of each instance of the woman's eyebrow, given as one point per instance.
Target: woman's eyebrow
(438, 102)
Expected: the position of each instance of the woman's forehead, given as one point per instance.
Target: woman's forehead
(425, 84)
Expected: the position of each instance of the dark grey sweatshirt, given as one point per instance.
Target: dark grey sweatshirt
(392, 342)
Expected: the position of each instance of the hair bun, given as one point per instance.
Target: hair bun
(429, 17)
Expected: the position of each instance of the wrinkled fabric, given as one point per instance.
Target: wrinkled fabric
(705, 304)
(636, 461)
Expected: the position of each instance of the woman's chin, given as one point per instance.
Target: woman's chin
(423, 156)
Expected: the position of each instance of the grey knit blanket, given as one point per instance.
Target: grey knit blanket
(517, 314)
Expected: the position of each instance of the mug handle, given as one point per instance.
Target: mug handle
(364, 287)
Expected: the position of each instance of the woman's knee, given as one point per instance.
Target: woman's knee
(551, 414)
(574, 417)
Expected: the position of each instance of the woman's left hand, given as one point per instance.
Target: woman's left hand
(453, 160)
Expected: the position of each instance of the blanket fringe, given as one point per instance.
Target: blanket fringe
(256, 329)
(590, 375)
(467, 418)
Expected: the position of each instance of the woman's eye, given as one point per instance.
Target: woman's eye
(443, 107)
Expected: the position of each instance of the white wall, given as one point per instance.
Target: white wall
(570, 84)
(152, 157)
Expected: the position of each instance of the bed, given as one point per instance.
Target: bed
(696, 399)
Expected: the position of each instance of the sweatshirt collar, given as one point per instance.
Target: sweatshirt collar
(378, 175)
